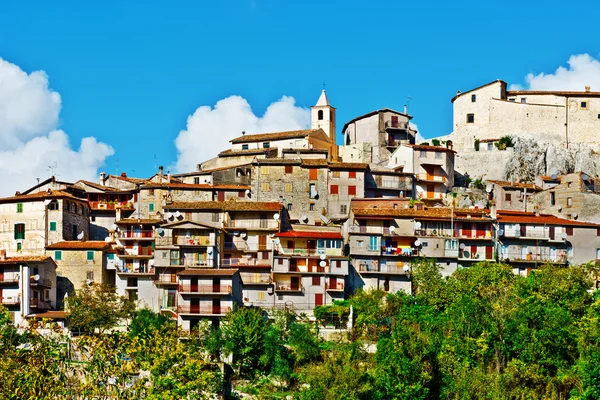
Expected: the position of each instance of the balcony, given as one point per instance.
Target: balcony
(252, 224)
(431, 178)
(193, 241)
(393, 124)
(203, 310)
(334, 287)
(446, 233)
(478, 235)
(143, 234)
(41, 282)
(245, 262)
(11, 300)
(387, 268)
(145, 252)
(129, 269)
(39, 304)
(256, 279)
(187, 288)
(537, 257)
(399, 251)
(390, 184)
(287, 286)
(302, 251)
(9, 279)
(166, 279)
(111, 205)
(538, 234)
(235, 246)
(481, 254)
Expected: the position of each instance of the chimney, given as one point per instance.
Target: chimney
(160, 174)
(3, 255)
(588, 89)
(493, 212)
(405, 109)
(102, 178)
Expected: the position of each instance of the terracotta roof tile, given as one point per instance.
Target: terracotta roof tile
(54, 194)
(232, 153)
(523, 217)
(208, 272)
(193, 186)
(318, 162)
(79, 245)
(50, 315)
(142, 221)
(231, 205)
(432, 148)
(444, 213)
(516, 185)
(348, 165)
(274, 136)
(310, 234)
(25, 259)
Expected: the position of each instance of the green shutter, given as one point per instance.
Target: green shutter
(58, 255)
(90, 256)
(52, 226)
(19, 207)
(151, 207)
(110, 256)
(19, 231)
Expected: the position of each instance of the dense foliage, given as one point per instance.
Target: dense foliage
(482, 333)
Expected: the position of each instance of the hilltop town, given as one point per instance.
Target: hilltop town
(293, 220)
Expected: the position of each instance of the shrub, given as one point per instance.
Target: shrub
(504, 142)
(435, 142)
(476, 145)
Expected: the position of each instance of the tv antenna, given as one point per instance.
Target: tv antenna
(52, 168)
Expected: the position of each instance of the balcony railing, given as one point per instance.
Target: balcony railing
(432, 178)
(111, 205)
(203, 310)
(235, 246)
(529, 233)
(301, 251)
(479, 254)
(387, 268)
(434, 232)
(12, 278)
(334, 286)
(205, 289)
(137, 234)
(252, 224)
(37, 303)
(399, 251)
(141, 251)
(535, 257)
(130, 269)
(166, 279)
(41, 282)
(396, 124)
(243, 261)
(255, 279)
(11, 300)
(192, 241)
(288, 287)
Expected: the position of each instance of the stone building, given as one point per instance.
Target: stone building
(384, 182)
(373, 137)
(80, 263)
(511, 195)
(30, 222)
(27, 285)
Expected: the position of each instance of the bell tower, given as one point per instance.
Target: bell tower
(323, 116)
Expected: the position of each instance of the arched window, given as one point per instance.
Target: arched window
(320, 115)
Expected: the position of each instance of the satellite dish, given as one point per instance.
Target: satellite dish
(81, 235)
(276, 217)
(559, 208)
(563, 235)
(210, 250)
(276, 241)
(324, 219)
(553, 177)
(47, 201)
(107, 239)
(244, 235)
(247, 192)
(585, 177)
(418, 225)
(236, 233)
(466, 254)
(392, 229)
(323, 256)
(417, 243)
(169, 215)
(114, 227)
(322, 263)
(159, 231)
(36, 277)
(177, 214)
(304, 218)
(88, 282)
(501, 232)
(488, 188)
(462, 246)
(406, 269)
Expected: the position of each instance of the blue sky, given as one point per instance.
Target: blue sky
(130, 73)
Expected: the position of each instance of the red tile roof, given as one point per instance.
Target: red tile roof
(516, 185)
(530, 218)
(432, 148)
(231, 153)
(433, 213)
(194, 186)
(25, 259)
(348, 165)
(208, 272)
(310, 234)
(79, 245)
(274, 136)
(50, 315)
(39, 196)
(230, 205)
(138, 221)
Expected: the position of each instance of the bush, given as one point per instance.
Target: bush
(476, 145)
(435, 142)
(504, 142)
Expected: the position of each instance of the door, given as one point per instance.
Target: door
(523, 231)
(295, 283)
(318, 299)
(216, 306)
(467, 229)
(293, 265)
(310, 246)
(429, 172)
(262, 242)
(216, 285)
(480, 231)
(221, 196)
(489, 252)
(1, 298)
(430, 191)
(551, 232)
(194, 285)
(332, 283)
(195, 306)
(473, 251)
(1, 275)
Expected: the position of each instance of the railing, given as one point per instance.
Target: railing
(480, 254)
(544, 234)
(192, 241)
(434, 232)
(37, 303)
(399, 251)
(111, 205)
(11, 300)
(140, 252)
(288, 287)
(143, 233)
(10, 278)
(475, 235)
(383, 268)
(311, 252)
(129, 269)
(189, 262)
(431, 178)
(396, 124)
(209, 289)
(538, 256)
(367, 229)
(203, 310)
(235, 246)
(243, 261)
(166, 278)
(312, 269)
(41, 282)
(336, 286)
(255, 279)
(252, 224)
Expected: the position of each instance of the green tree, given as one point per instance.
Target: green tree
(243, 337)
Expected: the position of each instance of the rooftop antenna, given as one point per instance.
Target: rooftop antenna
(323, 85)
(117, 165)
(155, 161)
(52, 169)
(408, 99)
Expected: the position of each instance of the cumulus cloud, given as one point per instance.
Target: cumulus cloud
(29, 140)
(582, 70)
(209, 129)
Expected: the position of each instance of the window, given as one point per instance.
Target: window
(261, 296)
(373, 243)
(569, 201)
(422, 154)
(93, 218)
(473, 98)
(508, 197)
(90, 256)
(312, 188)
(19, 246)
(352, 174)
(196, 181)
(312, 174)
(215, 217)
(264, 170)
(19, 207)
(360, 243)
(597, 254)
(266, 145)
(598, 116)
(110, 256)
(151, 207)
(288, 187)
(89, 275)
(311, 207)
(265, 187)
(320, 115)
(584, 105)
(523, 100)
(289, 169)
(490, 146)
(438, 155)
(511, 100)
(53, 226)
(352, 190)
(58, 255)
(569, 230)
(334, 189)
(316, 281)
(19, 231)
(552, 198)
(289, 206)
(244, 147)
(53, 205)
(241, 194)
(569, 184)
(335, 174)
(343, 209)
(151, 192)
(470, 118)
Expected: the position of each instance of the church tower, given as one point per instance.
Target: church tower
(323, 116)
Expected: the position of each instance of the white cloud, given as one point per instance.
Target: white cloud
(583, 70)
(209, 130)
(29, 141)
